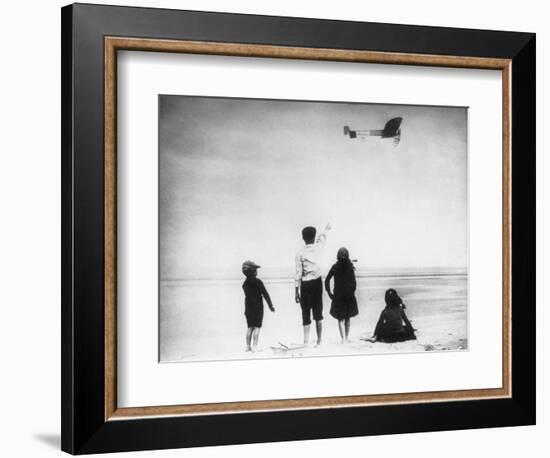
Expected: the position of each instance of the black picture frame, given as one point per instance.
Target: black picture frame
(84, 427)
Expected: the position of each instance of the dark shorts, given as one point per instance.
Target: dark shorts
(311, 300)
(254, 315)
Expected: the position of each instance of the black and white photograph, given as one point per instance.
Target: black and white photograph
(292, 228)
(262, 229)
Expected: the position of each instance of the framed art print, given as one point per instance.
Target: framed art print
(273, 221)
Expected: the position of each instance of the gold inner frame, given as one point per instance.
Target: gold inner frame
(114, 44)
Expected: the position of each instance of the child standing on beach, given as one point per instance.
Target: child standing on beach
(308, 282)
(254, 292)
(344, 304)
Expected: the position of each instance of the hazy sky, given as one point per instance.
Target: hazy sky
(239, 178)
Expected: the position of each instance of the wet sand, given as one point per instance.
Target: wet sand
(203, 320)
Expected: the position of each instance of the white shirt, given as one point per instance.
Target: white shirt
(308, 260)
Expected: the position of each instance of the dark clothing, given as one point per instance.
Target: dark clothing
(344, 304)
(394, 326)
(311, 300)
(254, 292)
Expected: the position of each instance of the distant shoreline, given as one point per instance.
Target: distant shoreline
(448, 273)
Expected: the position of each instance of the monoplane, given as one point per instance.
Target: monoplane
(392, 129)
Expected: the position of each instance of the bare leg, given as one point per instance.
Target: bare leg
(319, 326)
(248, 338)
(347, 322)
(306, 334)
(255, 338)
(341, 329)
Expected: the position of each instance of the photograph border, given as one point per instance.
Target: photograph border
(91, 421)
(115, 44)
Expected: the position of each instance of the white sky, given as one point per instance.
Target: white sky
(239, 178)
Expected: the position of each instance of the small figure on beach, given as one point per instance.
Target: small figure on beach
(393, 324)
(254, 293)
(344, 303)
(308, 281)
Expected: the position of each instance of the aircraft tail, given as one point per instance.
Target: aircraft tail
(351, 133)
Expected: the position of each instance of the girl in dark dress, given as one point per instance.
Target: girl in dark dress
(344, 304)
(254, 292)
(393, 324)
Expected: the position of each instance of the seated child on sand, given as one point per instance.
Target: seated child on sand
(393, 324)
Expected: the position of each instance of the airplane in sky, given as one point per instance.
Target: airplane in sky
(392, 129)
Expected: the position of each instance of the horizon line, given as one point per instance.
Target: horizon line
(363, 273)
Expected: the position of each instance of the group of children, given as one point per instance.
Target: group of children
(393, 324)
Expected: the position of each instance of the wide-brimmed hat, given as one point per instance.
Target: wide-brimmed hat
(249, 265)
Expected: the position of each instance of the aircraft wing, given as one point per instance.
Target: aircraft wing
(391, 127)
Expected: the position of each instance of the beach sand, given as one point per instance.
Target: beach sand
(203, 320)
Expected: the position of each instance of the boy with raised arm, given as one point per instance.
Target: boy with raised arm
(308, 282)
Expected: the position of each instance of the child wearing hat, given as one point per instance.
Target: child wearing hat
(254, 293)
